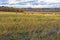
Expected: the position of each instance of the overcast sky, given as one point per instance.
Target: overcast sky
(31, 3)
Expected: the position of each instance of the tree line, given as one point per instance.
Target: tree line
(11, 9)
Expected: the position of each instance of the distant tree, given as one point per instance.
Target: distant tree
(11, 9)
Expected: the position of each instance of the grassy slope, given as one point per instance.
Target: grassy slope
(29, 26)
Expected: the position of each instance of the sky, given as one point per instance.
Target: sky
(31, 3)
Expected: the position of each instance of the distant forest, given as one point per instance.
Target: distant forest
(11, 9)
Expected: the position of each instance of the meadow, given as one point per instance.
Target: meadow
(26, 26)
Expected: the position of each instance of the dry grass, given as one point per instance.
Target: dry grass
(29, 26)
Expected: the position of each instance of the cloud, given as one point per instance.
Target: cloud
(12, 2)
(17, 1)
(52, 1)
(31, 3)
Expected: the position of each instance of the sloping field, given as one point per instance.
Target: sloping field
(27, 26)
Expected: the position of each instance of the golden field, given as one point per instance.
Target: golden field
(30, 26)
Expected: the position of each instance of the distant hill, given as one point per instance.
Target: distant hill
(43, 9)
(11, 9)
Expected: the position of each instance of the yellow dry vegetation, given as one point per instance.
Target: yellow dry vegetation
(30, 26)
